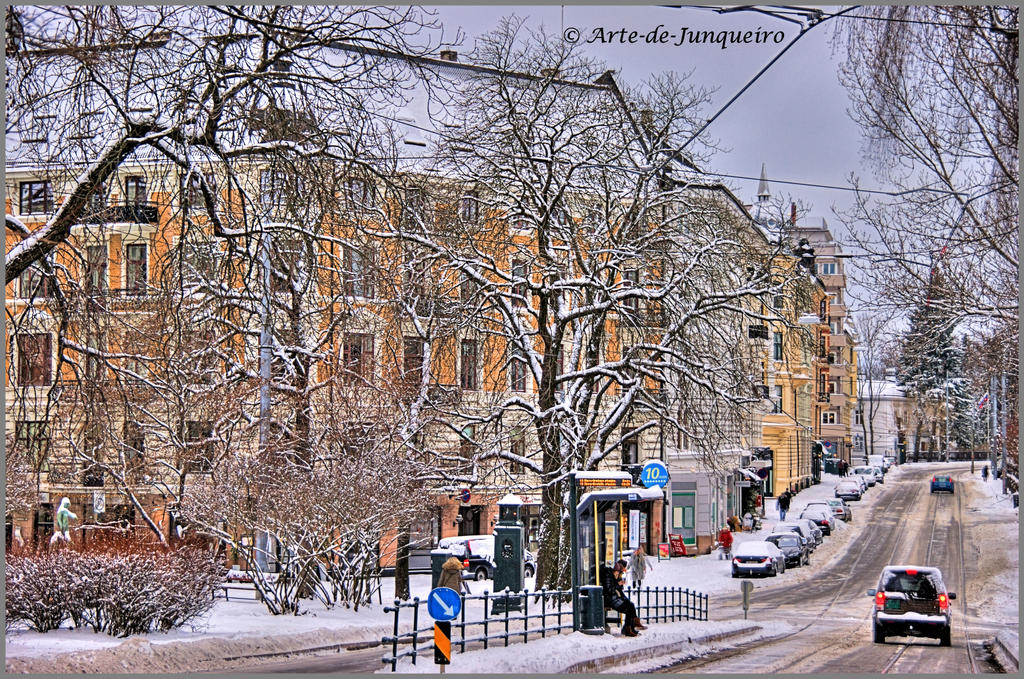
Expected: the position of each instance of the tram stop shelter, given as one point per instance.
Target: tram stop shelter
(612, 517)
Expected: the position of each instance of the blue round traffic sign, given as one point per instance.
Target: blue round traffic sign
(443, 603)
(654, 474)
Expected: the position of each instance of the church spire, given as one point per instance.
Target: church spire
(763, 194)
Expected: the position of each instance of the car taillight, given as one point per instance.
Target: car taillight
(934, 479)
(911, 571)
(736, 560)
(943, 602)
(880, 600)
(465, 563)
(766, 559)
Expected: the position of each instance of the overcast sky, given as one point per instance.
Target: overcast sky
(793, 118)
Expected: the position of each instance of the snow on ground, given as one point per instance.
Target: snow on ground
(238, 628)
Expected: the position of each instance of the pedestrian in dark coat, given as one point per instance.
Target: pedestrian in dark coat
(615, 598)
(783, 504)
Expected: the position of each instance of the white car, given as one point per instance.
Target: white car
(867, 472)
(757, 557)
(848, 489)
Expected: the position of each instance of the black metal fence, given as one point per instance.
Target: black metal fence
(524, 614)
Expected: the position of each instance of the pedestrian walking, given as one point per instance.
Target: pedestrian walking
(984, 473)
(783, 502)
(615, 598)
(639, 566)
(451, 576)
(725, 543)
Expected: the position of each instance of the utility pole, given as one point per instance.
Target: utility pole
(1002, 433)
(945, 386)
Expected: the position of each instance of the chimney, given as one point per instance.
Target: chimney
(449, 55)
(792, 214)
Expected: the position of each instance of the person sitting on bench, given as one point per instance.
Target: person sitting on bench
(615, 598)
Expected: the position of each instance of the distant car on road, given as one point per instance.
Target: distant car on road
(477, 554)
(911, 601)
(793, 546)
(943, 482)
(757, 557)
(848, 490)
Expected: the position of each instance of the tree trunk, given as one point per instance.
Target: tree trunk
(402, 565)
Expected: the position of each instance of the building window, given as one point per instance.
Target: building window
(35, 198)
(198, 437)
(777, 346)
(630, 449)
(35, 360)
(95, 269)
(857, 416)
(631, 279)
(827, 268)
(777, 400)
(414, 206)
(469, 208)
(412, 359)
(357, 355)
(135, 268)
(467, 288)
(357, 278)
(273, 187)
(517, 371)
(33, 438)
(467, 446)
(519, 288)
(517, 446)
(828, 417)
(833, 387)
(134, 445)
(33, 284)
(358, 193)
(192, 191)
(468, 375)
(135, 190)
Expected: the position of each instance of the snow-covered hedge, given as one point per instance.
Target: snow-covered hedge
(124, 589)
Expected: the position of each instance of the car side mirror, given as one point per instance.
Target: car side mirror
(872, 592)
(951, 595)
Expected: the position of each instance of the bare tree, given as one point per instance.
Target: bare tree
(600, 290)
(935, 90)
(873, 340)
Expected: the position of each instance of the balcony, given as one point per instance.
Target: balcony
(838, 311)
(136, 213)
(838, 341)
(840, 400)
(839, 369)
(833, 281)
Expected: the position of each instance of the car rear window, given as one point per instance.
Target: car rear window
(916, 585)
(482, 546)
(785, 540)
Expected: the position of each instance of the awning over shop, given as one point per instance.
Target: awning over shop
(749, 474)
(631, 494)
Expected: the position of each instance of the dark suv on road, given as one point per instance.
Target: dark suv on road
(911, 601)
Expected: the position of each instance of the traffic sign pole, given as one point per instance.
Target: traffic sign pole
(442, 644)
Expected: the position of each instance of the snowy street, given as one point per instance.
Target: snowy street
(831, 591)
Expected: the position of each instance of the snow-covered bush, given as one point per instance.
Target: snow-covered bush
(119, 587)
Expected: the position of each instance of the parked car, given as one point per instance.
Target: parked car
(848, 490)
(793, 546)
(878, 461)
(836, 506)
(911, 601)
(822, 517)
(477, 552)
(801, 528)
(879, 474)
(818, 534)
(867, 472)
(757, 557)
(890, 461)
(943, 482)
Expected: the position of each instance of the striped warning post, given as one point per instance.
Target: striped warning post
(442, 643)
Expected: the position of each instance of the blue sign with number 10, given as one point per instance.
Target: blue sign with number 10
(654, 474)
